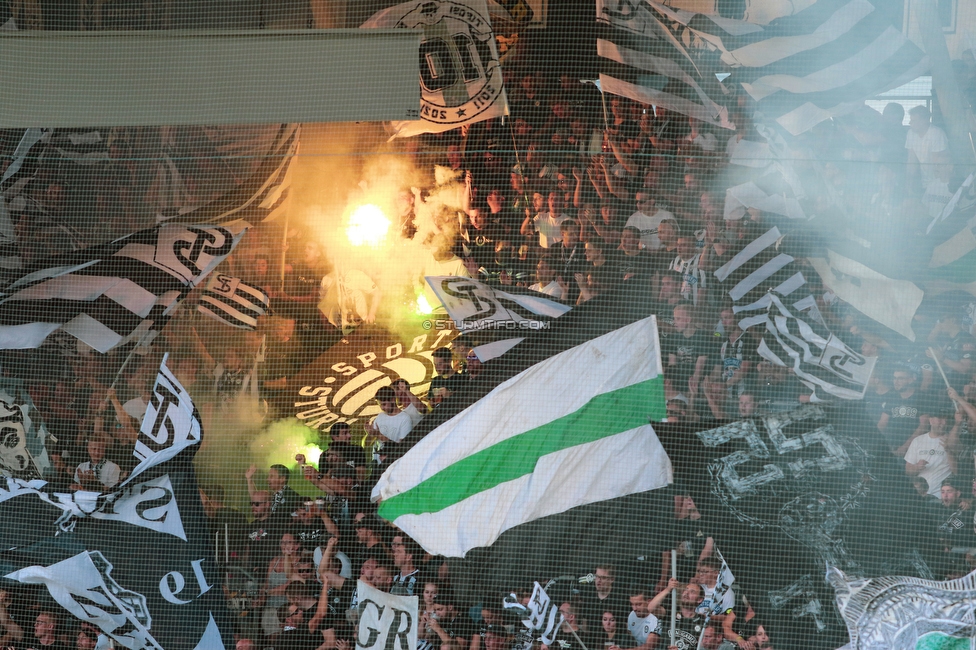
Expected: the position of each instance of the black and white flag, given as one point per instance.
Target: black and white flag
(475, 306)
(541, 616)
(818, 63)
(641, 60)
(760, 267)
(135, 561)
(232, 302)
(114, 293)
(768, 290)
(460, 74)
(818, 358)
(472, 302)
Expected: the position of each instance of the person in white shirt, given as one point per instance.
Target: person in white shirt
(547, 223)
(98, 472)
(548, 283)
(929, 456)
(923, 142)
(642, 624)
(647, 219)
(393, 424)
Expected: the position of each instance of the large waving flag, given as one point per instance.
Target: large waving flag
(816, 64)
(114, 293)
(135, 560)
(641, 60)
(546, 440)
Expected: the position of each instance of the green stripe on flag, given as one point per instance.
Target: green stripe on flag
(960, 271)
(603, 416)
(940, 641)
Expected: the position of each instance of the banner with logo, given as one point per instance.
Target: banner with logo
(340, 385)
(460, 76)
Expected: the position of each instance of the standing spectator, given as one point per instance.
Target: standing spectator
(97, 472)
(546, 223)
(284, 500)
(688, 350)
(688, 264)
(736, 357)
(929, 455)
(647, 219)
(12, 632)
(642, 624)
(46, 632)
(707, 577)
(259, 536)
(406, 554)
(448, 379)
(601, 597)
(547, 282)
(900, 412)
(393, 423)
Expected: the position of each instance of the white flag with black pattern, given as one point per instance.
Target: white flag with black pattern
(233, 302)
(171, 423)
(114, 293)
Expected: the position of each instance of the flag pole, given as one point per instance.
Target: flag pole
(942, 372)
(578, 640)
(518, 162)
(939, 366)
(674, 593)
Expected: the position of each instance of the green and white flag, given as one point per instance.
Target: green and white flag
(571, 430)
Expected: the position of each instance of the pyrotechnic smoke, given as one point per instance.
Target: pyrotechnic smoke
(343, 167)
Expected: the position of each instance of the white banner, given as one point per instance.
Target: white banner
(386, 622)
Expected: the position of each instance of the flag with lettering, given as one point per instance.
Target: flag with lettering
(460, 75)
(135, 560)
(114, 293)
(386, 622)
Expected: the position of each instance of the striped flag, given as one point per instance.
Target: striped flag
(114, 293)
(640, 60)
(769, 291)
(760, 267)
(232, 302)
(816, 64)
(818, 358)
(536, 445)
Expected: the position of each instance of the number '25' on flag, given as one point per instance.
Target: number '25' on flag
(542, 442)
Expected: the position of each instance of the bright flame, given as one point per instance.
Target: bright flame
(423, 307)
(312, 454)
(367, 225)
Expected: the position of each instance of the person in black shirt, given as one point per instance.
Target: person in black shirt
(261, 535)
(629, 263)
(294, 634)
(900, 412)
(442, 628)
(688, 350)
(601, 597)
(447, 381)
(46, 634)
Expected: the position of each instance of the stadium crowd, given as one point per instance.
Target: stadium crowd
(579, 196)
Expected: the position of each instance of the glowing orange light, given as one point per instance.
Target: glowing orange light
(367, 226)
